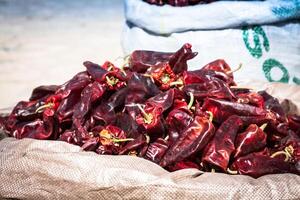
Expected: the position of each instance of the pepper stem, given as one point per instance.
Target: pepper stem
(122, 140)
(147, 117)
(211, 115)
(111, 81)
(48, 105)
(213, 170)
(234, 70)
(233, 172)
(288, 151)
(262, 127)
(191, 102)
(180, 82)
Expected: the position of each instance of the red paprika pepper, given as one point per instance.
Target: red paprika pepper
(251, 140)
(217, 153)
(193, 139)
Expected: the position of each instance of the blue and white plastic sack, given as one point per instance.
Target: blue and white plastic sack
(264, 35)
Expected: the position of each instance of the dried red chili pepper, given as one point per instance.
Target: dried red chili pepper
(218, 151)
(193, 139)
(135, 145)
(157, 150)
(251, 140)
(113, 80)
(42, 91)
(177, 120)
(252, 98)
(214, 88)
(258, 164)
(111, 139)
(90, 94)
(272, 104)
(162, 74)
(163, 100)
(294, 123)
(150, 118)
(223, 109)
(140, 61)
(140, 88)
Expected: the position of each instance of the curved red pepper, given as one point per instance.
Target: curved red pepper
(214, 88)
(193, 139)
(251, 140)
(223, 109)
(156, 150)
(217, 153)
(259, 164)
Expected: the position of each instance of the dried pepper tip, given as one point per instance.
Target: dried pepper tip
(288, 152)
(191, 102)
(235, 70)
(262, 127)
(107, 138)
(41, 108)
(211, 115)
(233, 172)
(147, 117)
(213, 170)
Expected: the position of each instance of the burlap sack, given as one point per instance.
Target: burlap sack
(34, 169)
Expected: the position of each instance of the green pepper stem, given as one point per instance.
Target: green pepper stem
(191, 102)
(122, 140)
(233, 172)
(147, 117)
(262, 127)
(211, 116)
(234, 70)
(288, 151)
(48, 105)
(180, 82)
(111, 81)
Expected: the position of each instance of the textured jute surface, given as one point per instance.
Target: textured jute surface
(32, 169)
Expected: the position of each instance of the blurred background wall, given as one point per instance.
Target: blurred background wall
(45, 42)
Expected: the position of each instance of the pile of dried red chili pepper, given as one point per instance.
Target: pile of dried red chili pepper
(179, 3)
(155, 109)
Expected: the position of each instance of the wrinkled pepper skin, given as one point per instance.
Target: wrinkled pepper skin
(177, 120)
(162, 74)
(136, 144)
(163, 100)
(251, 98)
(223, 109)
(155, 127)
(42, 91)
(251, 140)
(157, 150)
(113, 80)
(272, 103)
(257, 165)
(214, 88)
(141, 61)
(193, 139)
(183, 165)
(294, 123)
(90, 94)
(217, 153)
